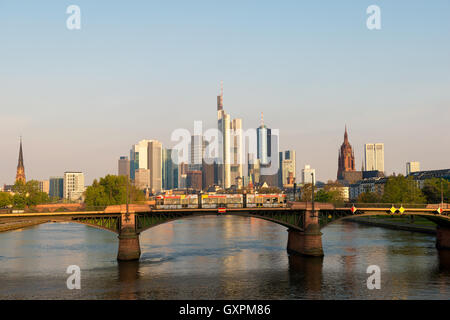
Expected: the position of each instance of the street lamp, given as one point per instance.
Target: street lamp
(312, 194)
(127, 214)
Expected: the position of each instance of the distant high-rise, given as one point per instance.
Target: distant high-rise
(169, 170)
(346, 159)
(196, 152)
(44, 186)
(224, 125)
(138, 157)
(194, 180)
(413, 166)
(263, 138)
(374, 157)
(237, 152)
(56, 188)
(142, 179)
(308, 175)
(287, 170)
(254, 169)
(20, 174)
(123, 166)
(73, 186)
(154, 157)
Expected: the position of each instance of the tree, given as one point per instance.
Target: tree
(306, 192)
(28, 194)
(432, 190)
(111, 190)
(399, 189)
(330, 193)
(5, 199)
(369, 197)
(269, 190)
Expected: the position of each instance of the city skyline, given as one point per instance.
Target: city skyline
(83, 107)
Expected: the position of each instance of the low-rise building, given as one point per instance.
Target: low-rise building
(421, 176)
(375, 185)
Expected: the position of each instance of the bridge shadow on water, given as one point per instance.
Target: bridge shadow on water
(444, 260)
(128, 276)
(306, 273)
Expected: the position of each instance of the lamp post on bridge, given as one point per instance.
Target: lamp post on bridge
(127, 213)
(313, 212)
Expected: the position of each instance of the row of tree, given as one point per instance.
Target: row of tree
(398, 189)
(112, 190)
(25, 195)
(401, 189)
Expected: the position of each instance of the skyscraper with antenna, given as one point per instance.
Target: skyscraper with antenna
(263, 136)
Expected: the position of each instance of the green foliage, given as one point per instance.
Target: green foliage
(306, 192)
(399, 189)
(5, 199)
(28, 194)
(432, 190)
(330, 193)
(369, 197)
(111, 190)
(269, 190)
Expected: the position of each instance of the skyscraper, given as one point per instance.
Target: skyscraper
(123, 166)
(56, 187)
(237, 152)
(142, 179)
(20, 174)
(196, 152)
(374, 157)
(207, 174)
(154, 157)
(138, 157)
(413, 166)
(287, 167)
(169, 170)
(263, 138)
(308, 175)
(254, 170)
(223, 123)
(346, 159)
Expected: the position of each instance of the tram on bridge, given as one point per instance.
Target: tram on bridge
(213, 201)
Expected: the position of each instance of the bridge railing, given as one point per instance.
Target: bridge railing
(386, 205)
(53, 209)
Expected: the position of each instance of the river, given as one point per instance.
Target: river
(221, 257)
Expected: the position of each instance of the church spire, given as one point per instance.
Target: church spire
(345, 134)
(20, 175)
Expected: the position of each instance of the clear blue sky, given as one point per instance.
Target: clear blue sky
(140, 69)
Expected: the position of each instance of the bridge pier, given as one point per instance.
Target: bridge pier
(129, 246)
(306, 243)
(442, 238)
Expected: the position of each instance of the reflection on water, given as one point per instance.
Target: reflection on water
(221, 257)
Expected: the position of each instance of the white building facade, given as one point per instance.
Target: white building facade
(73, 186)
(374, 157)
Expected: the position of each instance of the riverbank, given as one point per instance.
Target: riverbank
(9, 226)
(397, 223)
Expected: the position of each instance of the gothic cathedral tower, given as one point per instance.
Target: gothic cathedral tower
(20, 175)
(346, 160)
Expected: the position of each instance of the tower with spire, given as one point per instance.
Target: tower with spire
(346, 159)
(20, 174)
